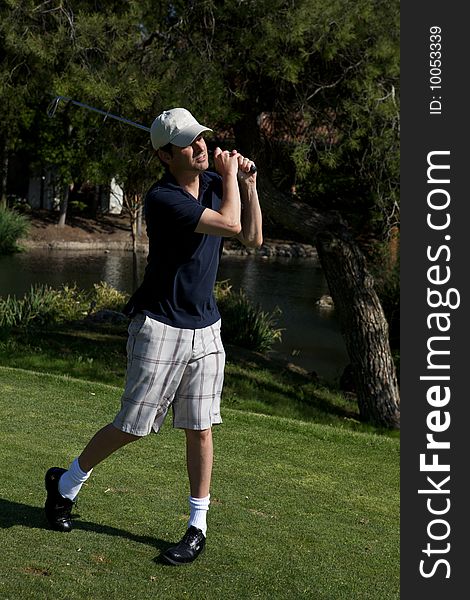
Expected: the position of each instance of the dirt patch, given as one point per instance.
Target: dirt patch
(104, 228)
(113, 232)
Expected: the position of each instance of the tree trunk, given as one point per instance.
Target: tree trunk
(135, 234)
(64, 203)
(281, 208)
(139, 220)
(364, 328)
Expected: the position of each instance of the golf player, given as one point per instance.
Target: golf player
(175, 356)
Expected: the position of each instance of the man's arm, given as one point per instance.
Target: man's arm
(251, 234)
(238, 190)
(225, 221)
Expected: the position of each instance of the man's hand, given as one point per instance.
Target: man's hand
(244, 175)
(226, 163)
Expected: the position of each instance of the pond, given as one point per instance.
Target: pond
(311, 336)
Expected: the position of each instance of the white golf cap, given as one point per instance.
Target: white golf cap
(176, 126)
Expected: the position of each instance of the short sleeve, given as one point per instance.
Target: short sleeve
(173, 209)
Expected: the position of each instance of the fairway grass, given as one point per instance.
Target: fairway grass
(298, 510)
(253, 382)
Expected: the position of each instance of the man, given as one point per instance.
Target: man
(175, 354)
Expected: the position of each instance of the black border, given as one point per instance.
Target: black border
(421, 133)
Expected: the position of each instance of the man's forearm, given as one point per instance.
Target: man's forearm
(251, 218)
(230, 207)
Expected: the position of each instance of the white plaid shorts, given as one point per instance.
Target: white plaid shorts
(168, 366)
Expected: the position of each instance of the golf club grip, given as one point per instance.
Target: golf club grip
(253, 168)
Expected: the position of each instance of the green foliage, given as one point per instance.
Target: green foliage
(13, 226)
(105, 296)
(89, 53)
(327, 70)
(44, 305)
(245, 324)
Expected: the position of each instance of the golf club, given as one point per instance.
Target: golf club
(52, 108)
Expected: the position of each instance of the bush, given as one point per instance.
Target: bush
(12, 227)
(105, 296)
(245, 324)
(43, 305)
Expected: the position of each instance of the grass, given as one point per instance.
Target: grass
(13, 226)
(86, 354)
(299, 509)
(252, 381)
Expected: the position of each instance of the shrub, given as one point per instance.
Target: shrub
(245, 324)
(12, 227)
(105, 296)
(44, 305)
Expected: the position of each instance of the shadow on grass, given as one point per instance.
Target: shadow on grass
(16, 513)
(291, 383)
(310, 403)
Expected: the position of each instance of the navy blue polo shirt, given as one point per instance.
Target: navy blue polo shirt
(181, 270)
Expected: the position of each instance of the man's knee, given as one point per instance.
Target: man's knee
(125, 437)
(198, 435)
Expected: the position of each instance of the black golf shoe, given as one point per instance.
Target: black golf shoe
(189, 548)
(58, 509)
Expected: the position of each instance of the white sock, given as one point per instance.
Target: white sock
(72, 480)
(198, 512)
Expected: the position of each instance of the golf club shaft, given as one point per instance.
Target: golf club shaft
(55, 103)
(51, 110)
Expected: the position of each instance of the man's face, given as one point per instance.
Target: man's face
(193, 158)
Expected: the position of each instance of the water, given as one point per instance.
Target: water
(311, 336)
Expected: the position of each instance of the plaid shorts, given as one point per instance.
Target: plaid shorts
(168, 366)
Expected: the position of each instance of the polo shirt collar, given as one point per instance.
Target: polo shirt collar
(204, 181)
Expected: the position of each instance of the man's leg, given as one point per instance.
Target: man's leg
(157, 354)
(199, 458)
(103, 444)
(63, 485)
(196, 408)
(106, 441)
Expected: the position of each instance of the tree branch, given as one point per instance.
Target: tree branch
(295, 216)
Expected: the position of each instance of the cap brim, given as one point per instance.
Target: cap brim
(187, 136)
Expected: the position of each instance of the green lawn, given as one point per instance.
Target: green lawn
(253, 382)
(299, 509)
